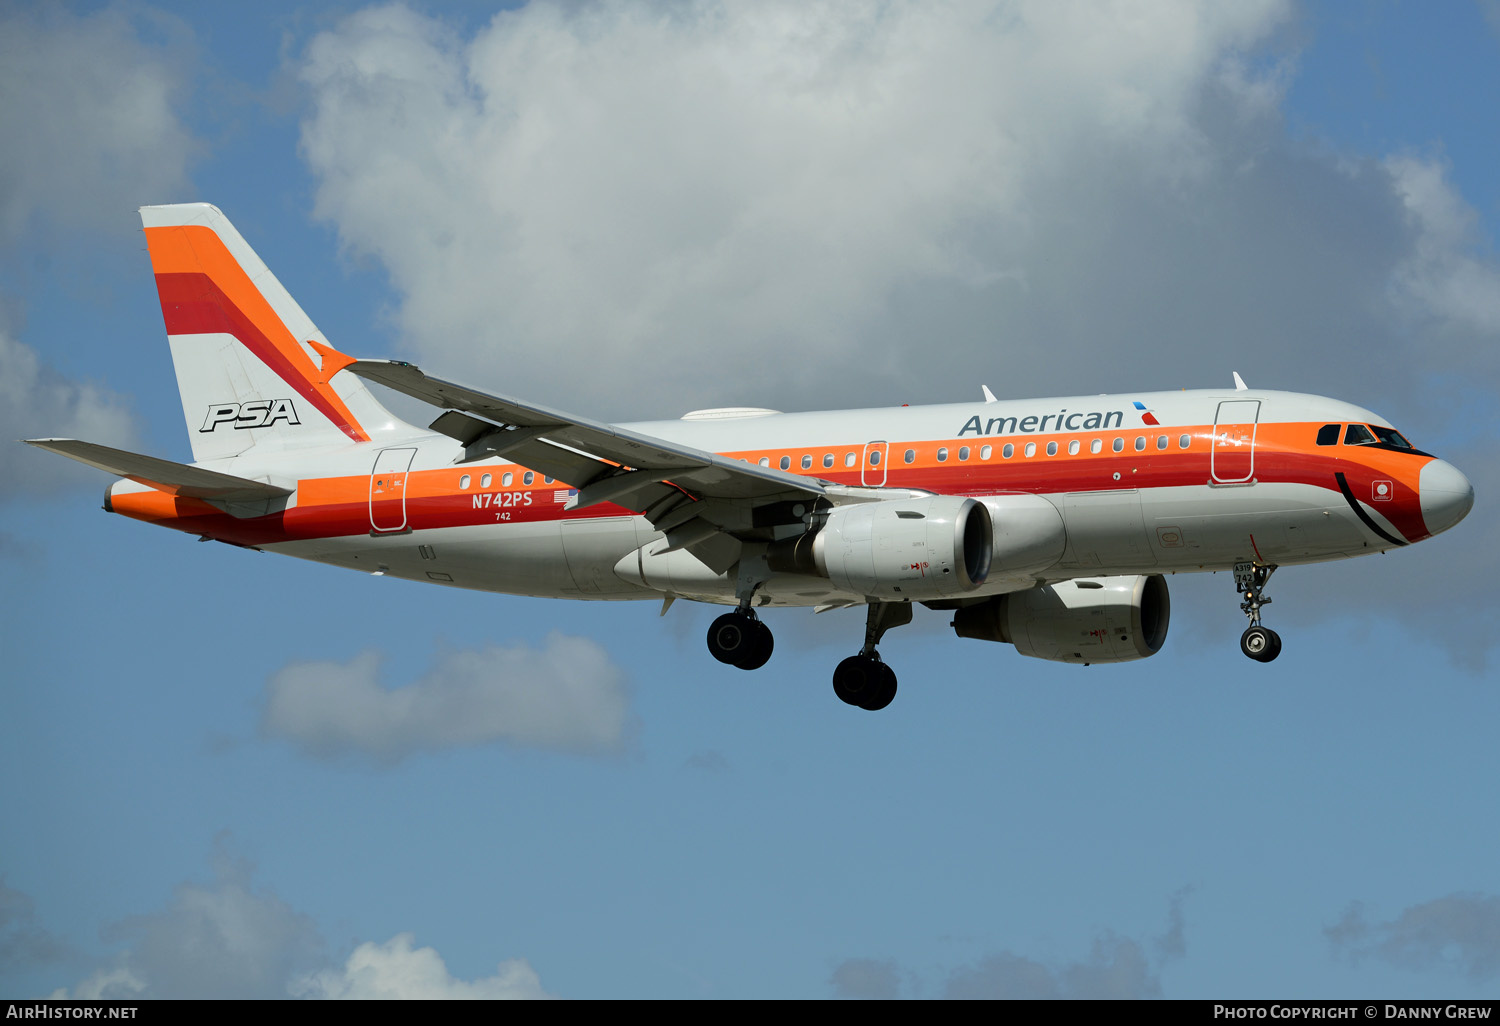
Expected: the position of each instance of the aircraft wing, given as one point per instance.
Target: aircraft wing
(670, 484)
(163, 475)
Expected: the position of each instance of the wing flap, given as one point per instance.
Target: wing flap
(163, 475)
(585, 452)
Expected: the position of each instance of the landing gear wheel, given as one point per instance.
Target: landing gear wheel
(740, 640)
(864, 681)
(761, 644)
(886, 692)
(1260, 643)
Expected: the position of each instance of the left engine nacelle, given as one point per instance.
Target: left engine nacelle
(922, 548)
(1092, 620)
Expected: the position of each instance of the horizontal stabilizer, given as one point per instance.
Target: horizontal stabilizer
(163, 475)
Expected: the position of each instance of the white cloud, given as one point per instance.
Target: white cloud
(568, 695)
(23, 941)
(1460, 932)
(229, 939)
(1443, 277)
(37, 402)
(89, 120)
(1116, 968)
(395, 970)
(867, 979)
(705, 197)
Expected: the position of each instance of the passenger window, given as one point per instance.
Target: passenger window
(484, 482)
(1096, 445)
(1183, 441)
(546, 480)
(874, 457)
(764, 461)
(463, 482)
(786, 463)
(506, 479)
(1119, 445)
(911, 455)
(1008, 451)
(943, 454)
(963, 453)
(851, 458)
(1358, 434)
(828, 459)
(1030, 449)
(528, 477)
(985, 452)
(1051, 448)
(806, 462)
(1161, 442)
(1073, 447)
(1328, 434)
(1140, 442)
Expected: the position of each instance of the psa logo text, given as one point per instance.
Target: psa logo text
(257, 414)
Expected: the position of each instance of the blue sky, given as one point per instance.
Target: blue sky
(632, 213)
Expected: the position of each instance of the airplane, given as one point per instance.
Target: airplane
(1047, 524)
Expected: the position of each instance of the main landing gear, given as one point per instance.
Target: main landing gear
(740, 639)
(1259, 643)
(864, 680)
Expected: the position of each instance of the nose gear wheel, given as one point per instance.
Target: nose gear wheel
(1259, 643)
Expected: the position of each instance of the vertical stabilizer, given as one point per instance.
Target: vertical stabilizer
(252, 368)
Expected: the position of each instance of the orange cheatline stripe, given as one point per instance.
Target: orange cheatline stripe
(197, 249)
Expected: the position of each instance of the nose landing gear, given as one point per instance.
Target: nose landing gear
(1259, 643)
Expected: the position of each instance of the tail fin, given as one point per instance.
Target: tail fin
(252, 369)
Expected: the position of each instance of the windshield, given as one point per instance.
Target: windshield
(1392, 437)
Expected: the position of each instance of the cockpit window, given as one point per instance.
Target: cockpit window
(1392, 437)
(1358, 434)
(1328, 434)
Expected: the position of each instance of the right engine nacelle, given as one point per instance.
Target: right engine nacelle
(1091, 620)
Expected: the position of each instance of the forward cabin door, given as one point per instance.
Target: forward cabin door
(388, 490)
(1233, 458)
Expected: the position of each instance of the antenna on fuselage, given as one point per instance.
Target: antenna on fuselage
(989, 396)
(1239, 382)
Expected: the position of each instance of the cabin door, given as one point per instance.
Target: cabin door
(388, 490)
(1233, 458)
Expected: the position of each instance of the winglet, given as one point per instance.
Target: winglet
(989, 396)
(1239, 382)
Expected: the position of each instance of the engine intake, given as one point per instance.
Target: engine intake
(1092, 620)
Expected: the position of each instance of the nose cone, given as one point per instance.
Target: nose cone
(1447, 496)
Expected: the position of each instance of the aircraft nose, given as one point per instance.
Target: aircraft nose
(1447, 496)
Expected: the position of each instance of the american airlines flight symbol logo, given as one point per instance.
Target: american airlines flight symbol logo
(258, 413)
(1147, 417)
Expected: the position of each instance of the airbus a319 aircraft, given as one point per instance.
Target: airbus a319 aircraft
(1046, 524)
